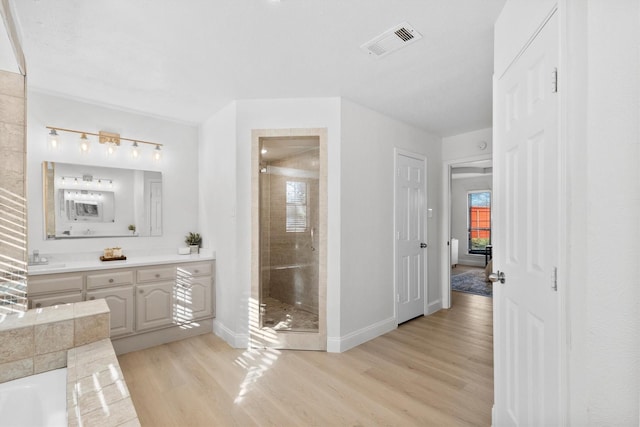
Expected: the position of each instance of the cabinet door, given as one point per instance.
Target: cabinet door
(59, 299)
(194, 299)
(154, 305)
(120, 302)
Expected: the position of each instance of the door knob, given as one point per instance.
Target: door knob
(497, 277)
(423, 245)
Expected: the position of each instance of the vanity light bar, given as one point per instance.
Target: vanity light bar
(103, 137)
(86, 180)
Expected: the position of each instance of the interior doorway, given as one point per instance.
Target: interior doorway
(411, 234)
(466, 251)
(288, 304)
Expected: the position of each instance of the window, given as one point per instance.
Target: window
(479, 203)
(296, 194)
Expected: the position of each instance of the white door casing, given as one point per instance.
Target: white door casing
(527, 351)
(155, 208)
(410, 234)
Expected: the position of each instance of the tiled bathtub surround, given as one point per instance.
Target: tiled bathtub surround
(37, 340)
(13, 210)
(97, 394)
(75, 336)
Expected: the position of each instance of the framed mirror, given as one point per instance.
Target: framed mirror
(82, 201)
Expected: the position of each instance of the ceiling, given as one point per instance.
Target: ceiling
(185, 60)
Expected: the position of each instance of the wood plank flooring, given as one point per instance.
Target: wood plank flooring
(431, 371)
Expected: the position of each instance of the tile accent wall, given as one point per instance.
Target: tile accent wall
(13, 209)
(40, 338)
(289, 264)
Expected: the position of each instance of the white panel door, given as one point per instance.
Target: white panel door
(525, 248)
(410, 236)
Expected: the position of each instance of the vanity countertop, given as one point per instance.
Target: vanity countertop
(69, 263)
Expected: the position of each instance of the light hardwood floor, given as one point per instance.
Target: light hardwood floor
(431, 371)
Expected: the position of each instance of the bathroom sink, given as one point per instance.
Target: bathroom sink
(52, 266)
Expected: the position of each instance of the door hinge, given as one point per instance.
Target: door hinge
(555, 279)
(397, 297)
(554, 80)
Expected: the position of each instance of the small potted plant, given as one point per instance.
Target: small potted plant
(194, 240)
(132, 228)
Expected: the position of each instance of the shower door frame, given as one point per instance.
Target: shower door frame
(265, 337)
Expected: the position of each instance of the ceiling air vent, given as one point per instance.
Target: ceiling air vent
(391, 40)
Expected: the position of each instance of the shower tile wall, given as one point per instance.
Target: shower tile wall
(289, 263)
(13, 212)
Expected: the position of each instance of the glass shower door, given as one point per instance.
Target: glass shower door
(289, 285)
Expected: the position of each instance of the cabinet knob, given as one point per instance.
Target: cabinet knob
(110, 280)
(141, 291)
(92, 298)
(196, 271)
(157, 275)
(38, 305)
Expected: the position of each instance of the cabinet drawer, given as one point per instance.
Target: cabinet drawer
(54, 283)
(48, 301)
(195, 269)
(156, 274)
(112, 278)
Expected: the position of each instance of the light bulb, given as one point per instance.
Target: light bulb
(263, 151)
(134, 150)
(157, 154)
(53, 138)
(84, 143)
(111, 148)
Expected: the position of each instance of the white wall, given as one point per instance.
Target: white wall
(460, 189)
(360, 252)
(466, 145)
(178, 167)
(217, 214)
(367, 200)
(229, 157)
(603, 98)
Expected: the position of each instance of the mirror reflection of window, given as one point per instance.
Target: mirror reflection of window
(94, 201)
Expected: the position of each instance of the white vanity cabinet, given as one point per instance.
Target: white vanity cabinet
(57, 299)
(149, 304)
(175, 295)
(120, 301)
(116, 288)
(55, 289)
(154, 305)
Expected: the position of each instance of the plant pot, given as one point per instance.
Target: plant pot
(194, 249)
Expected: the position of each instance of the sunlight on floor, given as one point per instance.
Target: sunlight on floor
(257, 359)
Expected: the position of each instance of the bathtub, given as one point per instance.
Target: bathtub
(36, 400)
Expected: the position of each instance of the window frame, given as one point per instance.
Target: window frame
(470, 250)
(305, 205)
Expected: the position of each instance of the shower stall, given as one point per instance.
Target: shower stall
(289, 225)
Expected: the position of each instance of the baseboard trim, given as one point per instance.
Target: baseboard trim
(355, 338)
(433, 307)
(230, 337)
(143, 340)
